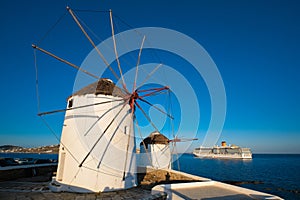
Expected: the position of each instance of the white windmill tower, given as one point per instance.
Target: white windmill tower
(94, 156)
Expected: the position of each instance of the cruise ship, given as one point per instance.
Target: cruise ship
(223, 151)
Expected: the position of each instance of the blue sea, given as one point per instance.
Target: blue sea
(277, 174)
(29, 155)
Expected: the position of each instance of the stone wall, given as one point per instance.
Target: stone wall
(148, 178)
(12, 174)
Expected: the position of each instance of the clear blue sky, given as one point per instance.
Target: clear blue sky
(255, 45)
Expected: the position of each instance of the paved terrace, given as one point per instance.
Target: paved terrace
(36, 188)
(32, 189)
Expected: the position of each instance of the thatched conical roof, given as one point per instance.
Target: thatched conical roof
(103, 86)
(155, 138)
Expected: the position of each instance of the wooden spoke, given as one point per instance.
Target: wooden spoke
(78, 107)
(153, 91)
(64, 61)
(99, 118)
(141, 137)
(111, 138)
(127, 147)
(147, 117)
(182, 139)
(177, 157)
(95, 144)
(157, 108)
(93, 44)
(115, 49)
(137, 64)
(149, 75)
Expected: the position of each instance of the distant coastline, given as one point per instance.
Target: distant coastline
(51, 149)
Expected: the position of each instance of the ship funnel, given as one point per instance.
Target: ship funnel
(223, 144)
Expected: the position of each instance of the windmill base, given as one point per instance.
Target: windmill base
(55, 186)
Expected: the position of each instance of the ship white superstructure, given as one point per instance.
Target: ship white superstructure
(223, 151)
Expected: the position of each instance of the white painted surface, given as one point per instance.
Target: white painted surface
(104, 168)
(223, 152)
(209, 190)
(157, 156)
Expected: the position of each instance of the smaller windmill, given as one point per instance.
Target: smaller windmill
(155, 151)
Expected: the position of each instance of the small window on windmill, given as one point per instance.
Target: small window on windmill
(70, 103)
